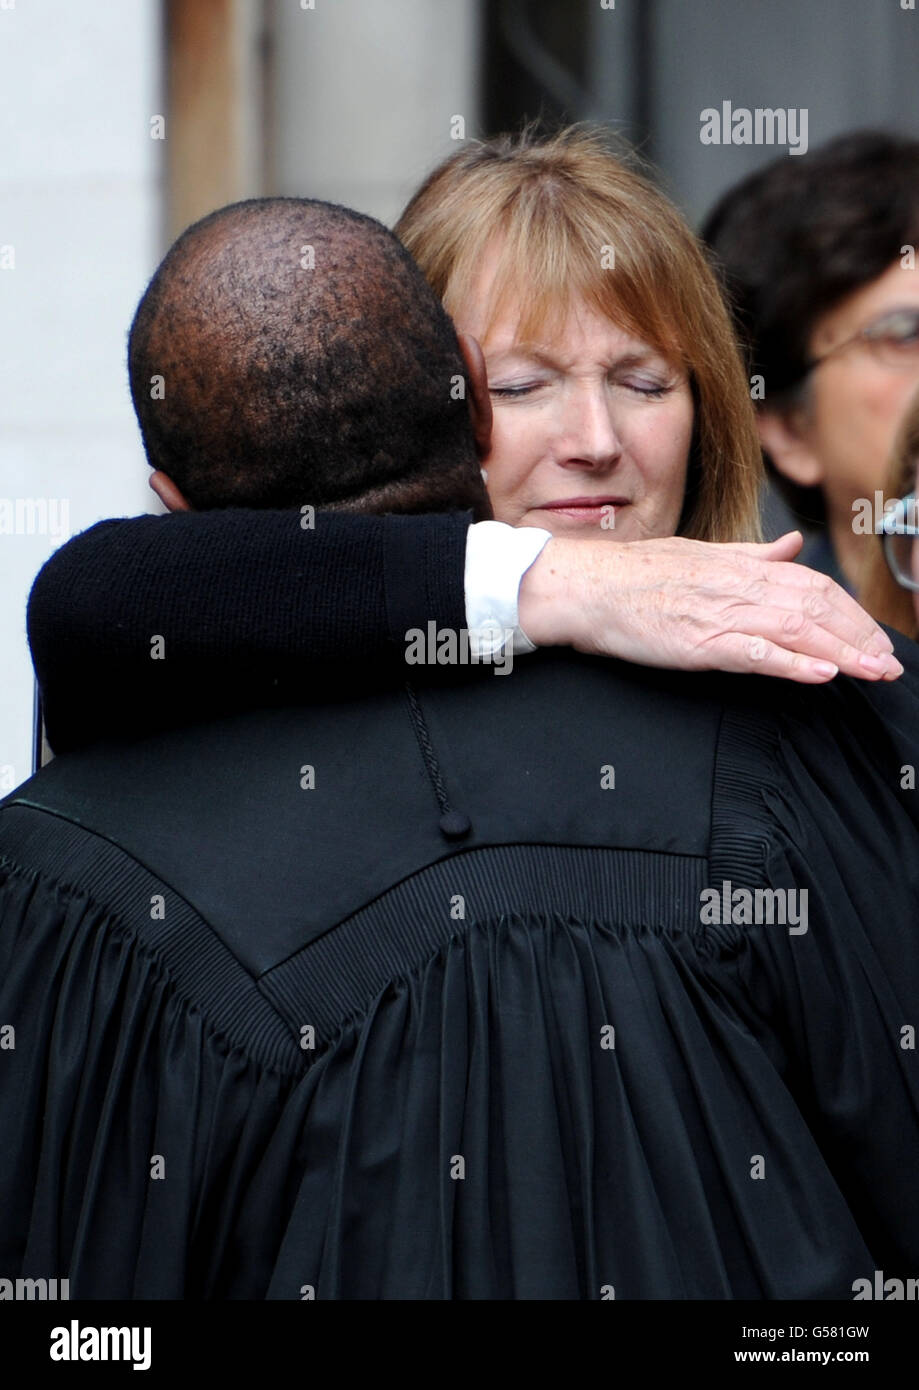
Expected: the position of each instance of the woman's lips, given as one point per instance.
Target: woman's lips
(590, 510)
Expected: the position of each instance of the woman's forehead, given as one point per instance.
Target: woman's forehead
(505, 300)
(506, 310)
(555, 344)
(565, 332)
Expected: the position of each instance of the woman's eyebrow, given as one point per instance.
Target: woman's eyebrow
(532, 352)
(536, 352)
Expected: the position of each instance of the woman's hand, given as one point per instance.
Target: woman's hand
(693, 605)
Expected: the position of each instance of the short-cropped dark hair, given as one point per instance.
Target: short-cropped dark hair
(289, 352)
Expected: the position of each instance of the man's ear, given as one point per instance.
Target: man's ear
(168, 493)
(477, 397)
(786, 439)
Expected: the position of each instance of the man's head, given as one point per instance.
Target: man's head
(814, 251)
(290, 352)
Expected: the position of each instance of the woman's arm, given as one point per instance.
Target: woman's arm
(702, 606)
(141, 622)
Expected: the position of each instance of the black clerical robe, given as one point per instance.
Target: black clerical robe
(494, 989)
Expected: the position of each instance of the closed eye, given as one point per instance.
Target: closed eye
(655, 392)
(509, 392)
(649, 389)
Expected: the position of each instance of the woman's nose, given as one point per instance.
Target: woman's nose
(590, 438)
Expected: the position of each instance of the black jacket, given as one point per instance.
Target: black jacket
(249, 607)
(451, 1022)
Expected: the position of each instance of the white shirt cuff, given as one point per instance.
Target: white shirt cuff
(497, 557)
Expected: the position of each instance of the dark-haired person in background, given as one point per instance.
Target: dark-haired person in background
(457, 992)
(820, 261)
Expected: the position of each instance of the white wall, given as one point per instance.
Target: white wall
(80, 206)
(364, 94)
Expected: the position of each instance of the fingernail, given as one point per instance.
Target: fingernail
(825, 668)
(877, 664)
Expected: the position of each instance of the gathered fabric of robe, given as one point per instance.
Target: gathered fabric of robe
(423, 996)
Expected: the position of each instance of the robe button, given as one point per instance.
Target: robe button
(454, 825)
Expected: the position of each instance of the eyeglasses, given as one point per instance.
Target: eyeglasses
(893, 339)
(899, 528)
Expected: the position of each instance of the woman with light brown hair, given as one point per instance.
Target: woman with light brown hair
(890, 585)
(524, 239)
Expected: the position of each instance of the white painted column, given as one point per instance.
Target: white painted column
(80, 214)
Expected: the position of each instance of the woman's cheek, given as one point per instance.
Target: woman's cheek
(513, 454)
(664, 449)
